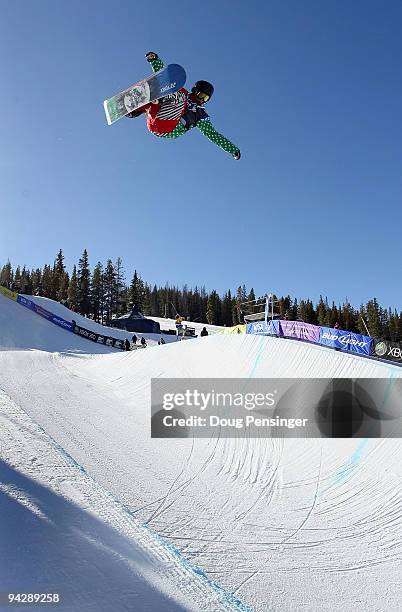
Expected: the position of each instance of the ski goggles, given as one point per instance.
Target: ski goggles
(202, 96)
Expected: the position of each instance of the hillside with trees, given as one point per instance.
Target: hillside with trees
(103, 292)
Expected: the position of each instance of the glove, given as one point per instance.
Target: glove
(237, 155)
(151, 55)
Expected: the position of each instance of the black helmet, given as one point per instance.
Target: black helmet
(203, 87)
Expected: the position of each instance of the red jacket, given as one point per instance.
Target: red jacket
(163, 117)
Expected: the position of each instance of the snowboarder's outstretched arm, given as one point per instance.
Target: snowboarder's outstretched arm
(205, 126)
(155, 61)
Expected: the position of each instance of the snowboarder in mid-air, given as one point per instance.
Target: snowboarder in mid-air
(177, 113)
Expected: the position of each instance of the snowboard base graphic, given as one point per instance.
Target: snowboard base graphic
(166, 81)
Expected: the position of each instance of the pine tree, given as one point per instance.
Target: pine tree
(251, 295)
(124, 299)
(59, 263)
(109, 281)
(182, 301)
(236, 316)
(25, 284)
(321, 312)
(311, 313)
(190, 304)
(214, 309)
(348, 317)
(72, 293)
(284, 307)
(385, 323)
(17, 280)
(36, 281)
(47, 282)
(121, 306)
(98, 293)
(333, 316)
(241, 296)
(155, 302)
(294, 310)
(6, 275)
(146, 300)
(198, 306)
(227, 306)
(393, 326)
(136, 293)
(302, 311)
(84, 285)
(62, 294)
(374, 318)
(204, 302)
(60, 278)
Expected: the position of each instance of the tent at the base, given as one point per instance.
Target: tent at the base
(135, 321)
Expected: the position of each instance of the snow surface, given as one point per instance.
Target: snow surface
(63, 533)
(283, 524)
(20, 328)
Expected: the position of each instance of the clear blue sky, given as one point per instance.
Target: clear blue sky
(310, 91)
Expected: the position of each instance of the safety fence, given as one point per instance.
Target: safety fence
(337, 339)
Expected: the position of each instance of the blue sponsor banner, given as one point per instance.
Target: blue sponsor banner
(25, 302)
(271, 328)
(62, 323)
(44, 313)
(345, 341)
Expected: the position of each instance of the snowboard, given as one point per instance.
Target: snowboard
(160, 84)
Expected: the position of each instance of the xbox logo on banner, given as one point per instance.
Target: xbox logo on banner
(381, 349)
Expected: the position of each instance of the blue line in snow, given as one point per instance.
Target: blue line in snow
(353, 462)
(258, 358)
(228, 597)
